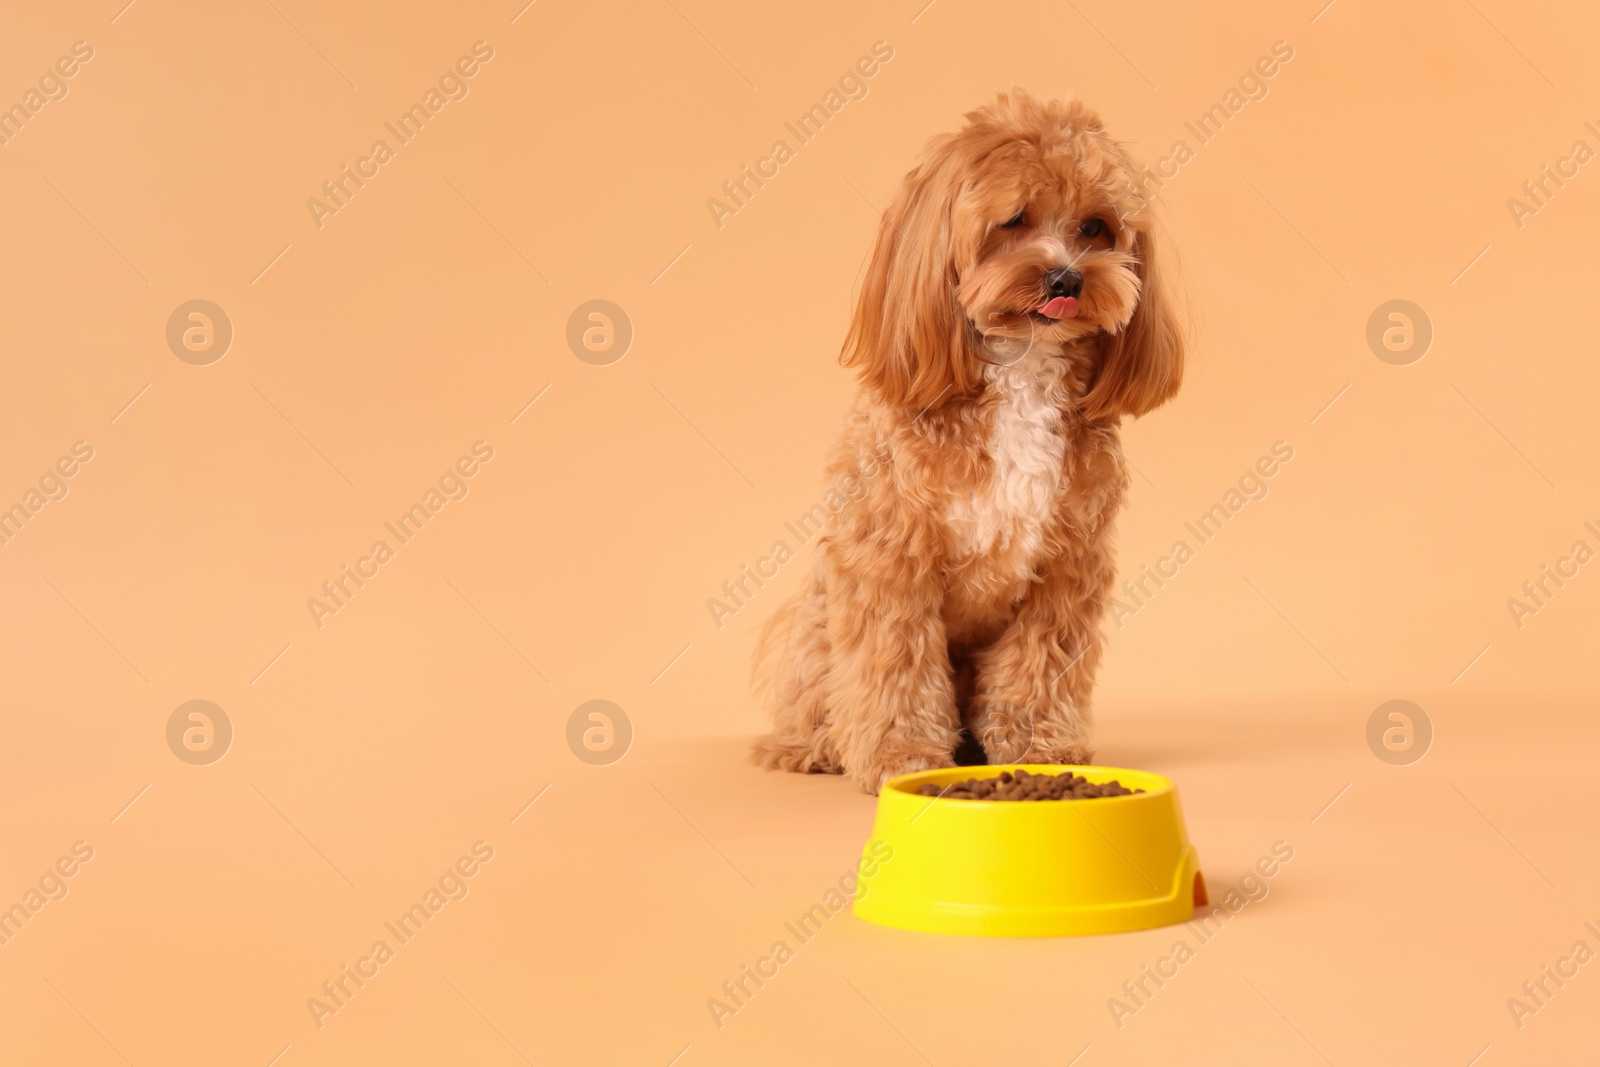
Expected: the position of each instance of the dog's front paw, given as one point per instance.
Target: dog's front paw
(1011, 734)
(806, 756)
(1006, 737)
(1073, 754)
(894, 762)
(1019, 745)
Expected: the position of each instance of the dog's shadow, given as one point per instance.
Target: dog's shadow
(968, 752)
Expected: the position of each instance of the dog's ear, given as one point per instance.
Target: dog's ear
(1141, 365)
(909, 337)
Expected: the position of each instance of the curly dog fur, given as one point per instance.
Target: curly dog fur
(1012, 313)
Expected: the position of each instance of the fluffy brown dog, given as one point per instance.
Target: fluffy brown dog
(1011, 315)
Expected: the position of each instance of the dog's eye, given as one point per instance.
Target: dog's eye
(1015, 220)
(1092, 227)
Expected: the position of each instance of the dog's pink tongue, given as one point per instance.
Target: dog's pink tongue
(1061, 307)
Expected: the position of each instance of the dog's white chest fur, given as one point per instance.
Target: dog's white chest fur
(1006, 518)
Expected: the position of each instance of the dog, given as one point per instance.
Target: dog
(1012, 314)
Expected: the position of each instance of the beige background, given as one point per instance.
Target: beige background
(370, 353)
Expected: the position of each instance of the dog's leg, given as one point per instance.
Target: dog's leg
(889, 683)
(795, 652)
(1035, 681)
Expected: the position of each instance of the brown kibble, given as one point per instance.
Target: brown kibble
(1029, 785)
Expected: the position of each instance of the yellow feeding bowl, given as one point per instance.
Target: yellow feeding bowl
(1029, 868)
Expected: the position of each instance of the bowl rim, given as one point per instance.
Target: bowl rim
(905, 784)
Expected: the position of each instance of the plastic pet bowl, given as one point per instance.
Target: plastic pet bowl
(1029, 868)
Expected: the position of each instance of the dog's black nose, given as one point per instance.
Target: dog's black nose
(1063, 281)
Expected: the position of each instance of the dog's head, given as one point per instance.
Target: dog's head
(1021, 236)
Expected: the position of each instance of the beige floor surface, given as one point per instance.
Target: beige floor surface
(614, 909)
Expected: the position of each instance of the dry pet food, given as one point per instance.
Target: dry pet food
(1020, 785)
